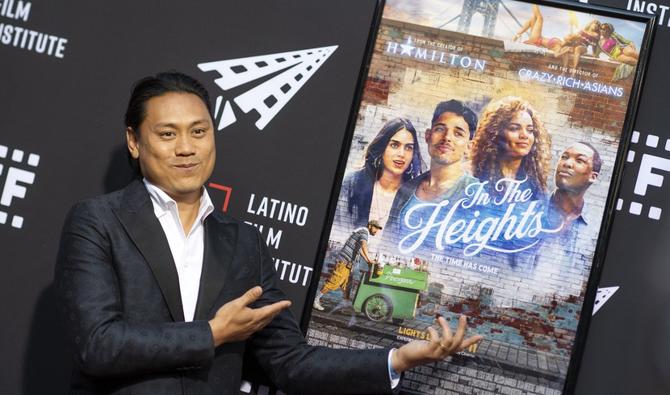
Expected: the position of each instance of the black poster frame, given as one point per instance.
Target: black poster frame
(613, 190)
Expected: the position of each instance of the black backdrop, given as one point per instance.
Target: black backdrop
(69, 112)
(627, 348)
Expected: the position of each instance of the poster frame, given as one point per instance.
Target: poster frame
(599, 256)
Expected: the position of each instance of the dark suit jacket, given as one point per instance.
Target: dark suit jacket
(119, 288)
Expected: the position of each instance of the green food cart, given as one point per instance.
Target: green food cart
(390, 293)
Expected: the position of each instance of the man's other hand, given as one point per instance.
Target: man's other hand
(419, 352)
(236, 321)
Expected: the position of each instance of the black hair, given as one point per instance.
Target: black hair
(596, 160)
(375, 150)
(457, 108)
(361, 186)
(157, 85)
(607, 26)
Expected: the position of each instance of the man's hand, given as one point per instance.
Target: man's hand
(235, 321)
(419, 352)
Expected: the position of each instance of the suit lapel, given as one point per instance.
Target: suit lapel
(220, 241)
(138, 218)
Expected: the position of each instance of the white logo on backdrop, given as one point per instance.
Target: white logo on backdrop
(651, 8)
(15, 14)
(15, 180)
(270, 96)
(602, 296)
(650, 174)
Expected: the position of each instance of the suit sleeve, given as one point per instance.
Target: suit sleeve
(105, 343)
(296, 367)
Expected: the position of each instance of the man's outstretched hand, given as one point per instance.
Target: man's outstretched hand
(236, 321)
(419, 352)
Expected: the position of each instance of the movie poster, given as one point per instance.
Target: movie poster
(476, 183)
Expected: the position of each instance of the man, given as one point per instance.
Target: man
(356, 244)
(449, 140)
(164, 295)
(564, 258)
(577, 169)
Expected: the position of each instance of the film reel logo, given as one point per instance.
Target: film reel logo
(17, 169)
(269, 97)
(650, 173)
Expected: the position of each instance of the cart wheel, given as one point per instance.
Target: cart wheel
(377, 307)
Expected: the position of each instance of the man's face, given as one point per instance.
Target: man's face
(175, 144)
(448, 139)
(574, 171)
(373, 230)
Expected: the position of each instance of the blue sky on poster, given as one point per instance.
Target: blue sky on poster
(437, 13)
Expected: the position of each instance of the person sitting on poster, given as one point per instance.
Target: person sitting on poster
(390, 159)
(616, 46)
(534, 25)
(448, 139)
(511, 143)
(356, 244)
(578, 43)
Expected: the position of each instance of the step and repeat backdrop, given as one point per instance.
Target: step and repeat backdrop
(283, 78)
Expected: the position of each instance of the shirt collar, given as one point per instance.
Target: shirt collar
(163, 203)
(583, 215)
(363, 228)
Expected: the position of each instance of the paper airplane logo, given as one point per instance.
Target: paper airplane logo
(602, 296)
(271, 96)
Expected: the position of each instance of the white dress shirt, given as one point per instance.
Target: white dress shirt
(187, 249)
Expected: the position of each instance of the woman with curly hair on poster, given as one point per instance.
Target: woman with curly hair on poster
(511, 143)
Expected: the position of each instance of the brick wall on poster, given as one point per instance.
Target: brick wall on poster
(404, 86)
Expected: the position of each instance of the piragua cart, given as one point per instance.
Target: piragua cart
(390, 293)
